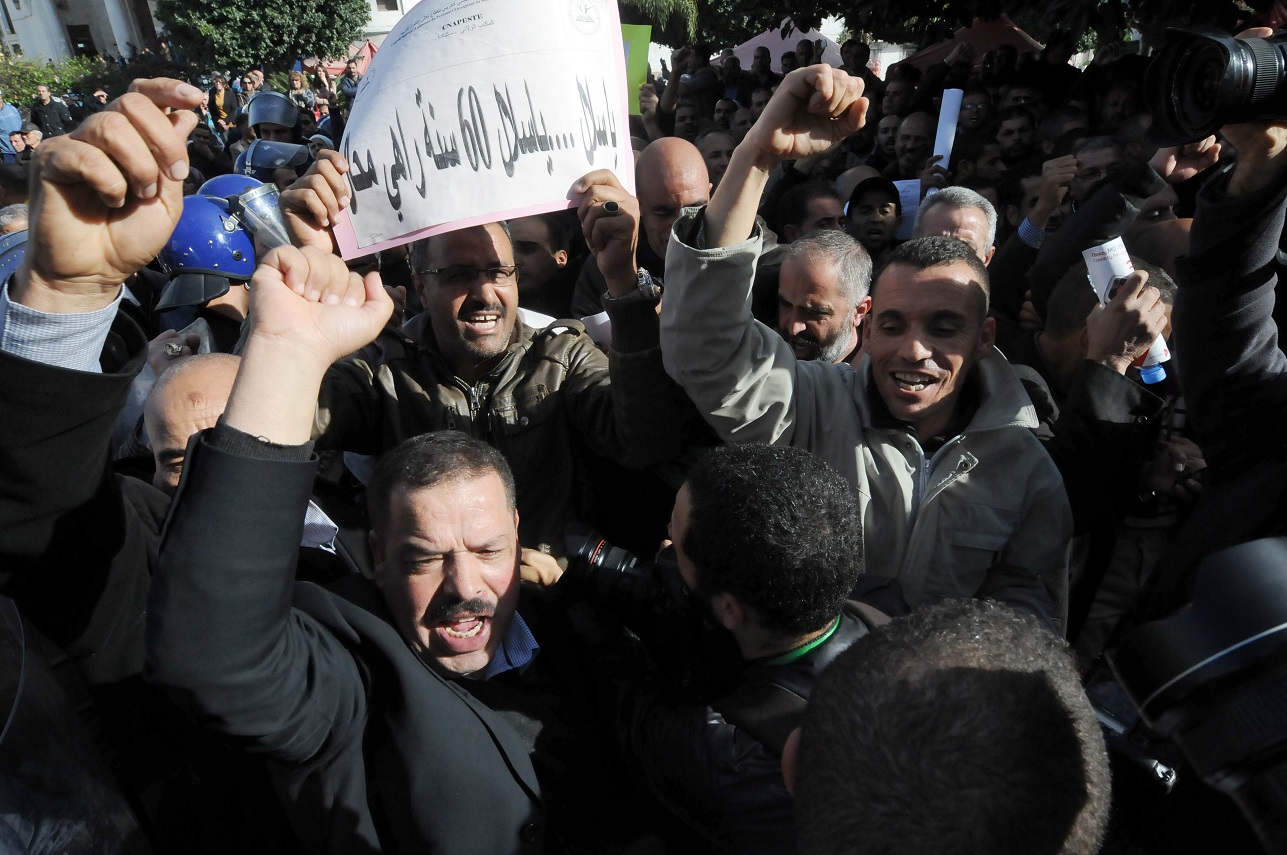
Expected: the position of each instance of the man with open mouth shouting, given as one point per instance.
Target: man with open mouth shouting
(432, 705)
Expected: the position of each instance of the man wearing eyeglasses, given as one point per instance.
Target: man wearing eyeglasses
(543, 397)
(1098, 160)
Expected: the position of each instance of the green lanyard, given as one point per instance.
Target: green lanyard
(792, 655)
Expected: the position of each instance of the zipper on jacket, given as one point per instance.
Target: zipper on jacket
(926, 468)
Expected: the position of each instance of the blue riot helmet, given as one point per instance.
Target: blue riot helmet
(262, 157)
(208, 251)
(13, 247)
(255, 206)
(223, 186)
(276, 109)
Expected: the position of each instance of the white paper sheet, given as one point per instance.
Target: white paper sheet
(1106, 262)
(480, 110)
(948, 115)
(909, 196)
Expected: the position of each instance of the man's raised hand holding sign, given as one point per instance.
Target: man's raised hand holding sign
(813, 109)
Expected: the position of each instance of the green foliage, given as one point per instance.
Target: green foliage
(80, 74)
(674, 22)
(279, 81)
(725, 23)
(269, 32)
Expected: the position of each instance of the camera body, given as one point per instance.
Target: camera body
(656, 605)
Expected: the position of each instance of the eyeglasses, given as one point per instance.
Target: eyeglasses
(1097, 174)
(463, 274)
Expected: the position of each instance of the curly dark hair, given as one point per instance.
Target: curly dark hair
(960, 728)
(777, 528)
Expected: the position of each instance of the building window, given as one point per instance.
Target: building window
(386, 5)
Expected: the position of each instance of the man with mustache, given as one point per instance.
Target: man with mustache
(293, 684)
(432, 705)
(822, 295)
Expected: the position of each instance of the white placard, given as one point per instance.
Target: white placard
(1106, 262)
(909, 197)
(474, 111)
(948, 114)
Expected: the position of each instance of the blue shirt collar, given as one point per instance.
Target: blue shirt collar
(517, 649)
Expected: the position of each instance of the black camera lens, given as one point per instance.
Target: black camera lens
(586, 545)
(1199, 81)
(608, 572)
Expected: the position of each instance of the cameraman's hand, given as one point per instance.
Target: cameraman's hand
(1122, 331)
(539, 567)
(1177, 164)
(313, 202)
(105, 198)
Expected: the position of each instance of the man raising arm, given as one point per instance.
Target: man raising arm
(374, 746)
(930, 403)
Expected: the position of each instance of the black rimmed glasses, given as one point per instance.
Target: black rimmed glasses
(463, 274)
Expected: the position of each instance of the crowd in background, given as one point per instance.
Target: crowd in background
(296, 557)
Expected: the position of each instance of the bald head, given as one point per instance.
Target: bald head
(670, 176)
(914, 143)
(189, 398)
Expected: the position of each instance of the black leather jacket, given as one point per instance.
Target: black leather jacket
(718, 766)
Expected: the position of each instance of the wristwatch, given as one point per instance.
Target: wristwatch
(645, 289)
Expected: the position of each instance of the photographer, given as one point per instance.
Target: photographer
(1231, 365)
(769, 545)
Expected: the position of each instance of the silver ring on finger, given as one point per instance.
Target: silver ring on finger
(611, 208)
(173, 350)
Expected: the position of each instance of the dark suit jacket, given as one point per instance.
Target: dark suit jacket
(371, 750)
(53, 119)
(76, 543)
(77, 547)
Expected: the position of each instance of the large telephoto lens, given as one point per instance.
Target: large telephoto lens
(1199, 81)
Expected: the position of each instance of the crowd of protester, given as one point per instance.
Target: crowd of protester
(813, 550)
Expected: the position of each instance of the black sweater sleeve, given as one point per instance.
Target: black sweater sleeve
(1232, 370)
(222, 635)
(77, 543)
